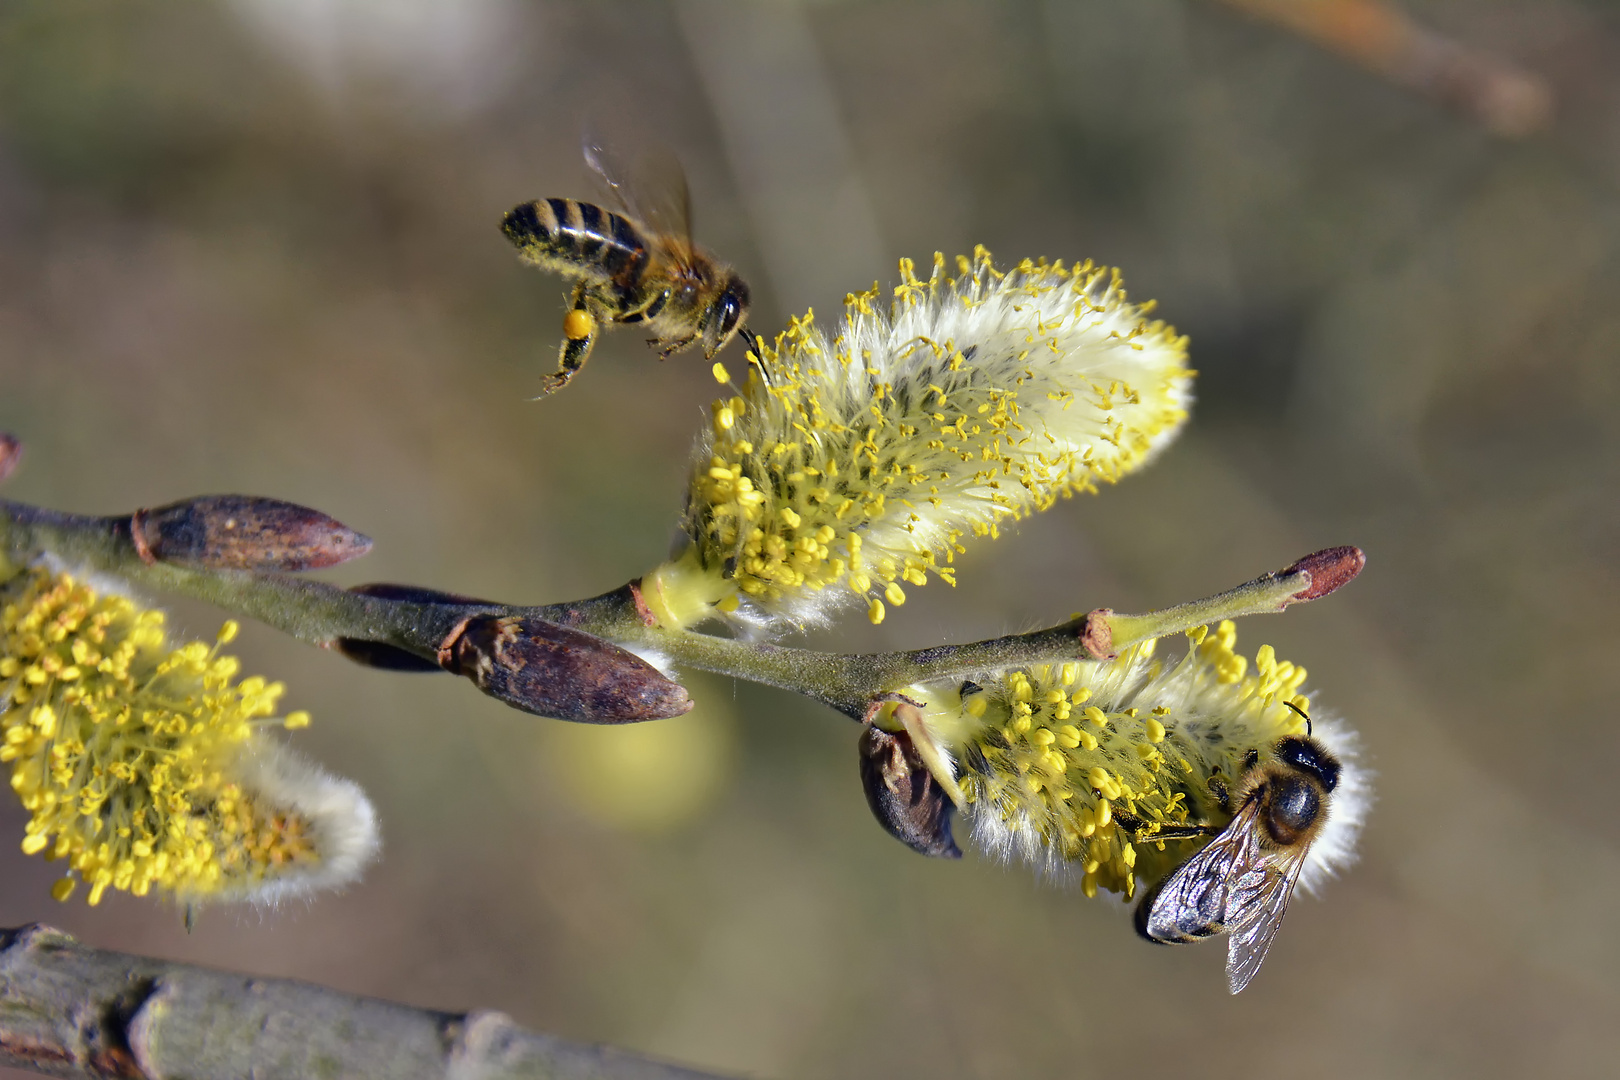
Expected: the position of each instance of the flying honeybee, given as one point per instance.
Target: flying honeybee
(636, 264)
(1241, 883)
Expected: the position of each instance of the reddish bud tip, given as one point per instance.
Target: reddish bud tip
(1329, 570)
(241, 532)
(10, 454)
(1097, 634)
(550, 670)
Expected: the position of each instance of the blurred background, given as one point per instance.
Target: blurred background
(252, 246)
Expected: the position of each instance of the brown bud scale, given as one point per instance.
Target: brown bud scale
(242, 532)
(384, 657)
(904, 796)
(418, 594)
(542, 668)
(1097, 635)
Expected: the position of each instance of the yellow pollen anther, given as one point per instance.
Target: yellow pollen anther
(136, 771)
(954, 435)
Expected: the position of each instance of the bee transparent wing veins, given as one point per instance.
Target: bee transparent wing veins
(1196, 900)
(653, 190)
(610, 170)
(664, 197)
(1258, 914)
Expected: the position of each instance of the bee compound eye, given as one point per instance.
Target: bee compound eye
(733, 304)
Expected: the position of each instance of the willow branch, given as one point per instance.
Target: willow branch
(70, 1010)
(405, 627)
(1506, 99)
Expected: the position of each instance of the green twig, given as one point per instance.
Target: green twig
(424, 624)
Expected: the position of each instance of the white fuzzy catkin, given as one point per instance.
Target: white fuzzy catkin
(849, 467)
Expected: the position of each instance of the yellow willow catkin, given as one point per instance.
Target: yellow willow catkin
(1074, 767)
(144, 766)
(854, 467)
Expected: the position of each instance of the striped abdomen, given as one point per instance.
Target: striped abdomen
(579, 239)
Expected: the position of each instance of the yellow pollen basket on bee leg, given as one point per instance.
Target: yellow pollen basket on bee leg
(578, 325)
(849, 465)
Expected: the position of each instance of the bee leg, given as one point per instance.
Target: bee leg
(668, 347)
(1179, 832)
(580, 327)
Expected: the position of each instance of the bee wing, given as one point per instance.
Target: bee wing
(653, 190)
(1255, 911)
(1196, 900)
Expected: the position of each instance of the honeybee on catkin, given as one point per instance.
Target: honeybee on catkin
(1241, 883)
(630, 266)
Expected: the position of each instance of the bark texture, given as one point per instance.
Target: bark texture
(70, 1010)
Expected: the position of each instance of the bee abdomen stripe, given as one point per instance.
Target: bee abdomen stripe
(562, 214)
(529, 225)
(580, 239)
(626, 256)
(590, 229)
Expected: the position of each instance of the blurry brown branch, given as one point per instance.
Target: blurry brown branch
(69, 1010)
(10, 454)
(1506, 99)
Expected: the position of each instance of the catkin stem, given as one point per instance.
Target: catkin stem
(1259, 597)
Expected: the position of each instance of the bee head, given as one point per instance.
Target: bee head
(1309, 756)
(725, 315)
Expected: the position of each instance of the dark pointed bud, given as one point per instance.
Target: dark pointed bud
(904, 796)
(242, 532)
(387, 657)
(551, 670)
(416, 594)
(10, 454)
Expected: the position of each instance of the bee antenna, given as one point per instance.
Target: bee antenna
(1301, 712)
